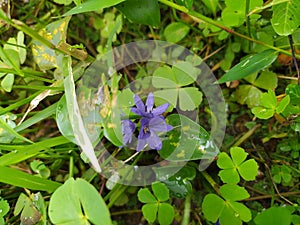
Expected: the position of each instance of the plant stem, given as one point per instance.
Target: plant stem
(294, 57)
(211, 181)
(187, 211)
(247, 135)
(219, 25)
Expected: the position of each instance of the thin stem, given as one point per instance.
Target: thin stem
(248, 22)
(211, 181)
(294, 57)
(247, 135)
(187, 211)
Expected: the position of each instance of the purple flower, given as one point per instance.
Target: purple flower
(218, 222)
(128, 128)
(149, 128)
(152, 122)
(147, 109)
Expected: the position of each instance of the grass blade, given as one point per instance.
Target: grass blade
(20, 179)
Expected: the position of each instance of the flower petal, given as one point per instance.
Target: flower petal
(141, 144)
(128, 128)
(139, 103)
(149, 103)
(160, 109)
(154, 141)
(158, 124)
(137, 111)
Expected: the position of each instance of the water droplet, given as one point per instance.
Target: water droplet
(236, 215)
(15, 151)
(130, 102)
(1, 210)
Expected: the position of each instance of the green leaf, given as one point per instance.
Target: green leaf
(176, 31)
(248, 94)
(27, 151)
(224, 161)
(11, 58)
(213, 207)
(55, 32)
(7, 82)
(242, 211)
(238, 155)
(267, 106)
(187, 3)
(4, 207)
(286, 18)
(92, 5)
(187, 141)
(179, 184)
(274, 216)
(141, 12)
(250, 65)
(233, 192)
(262, 112)
(268, 100)
(230, 176)
(248, 170)
(145, 196)
(235, 12)
(211, 5)
(266, 80)
(63, 121)
(160, 191)
(189, 98)
(20, 179)
(6, 126)
(150, 211)
(77, 202)
(165, 214)
(283, 104)
(229, 216)
(171, 80)
(79, 130)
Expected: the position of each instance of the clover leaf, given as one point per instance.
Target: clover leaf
(281, 174)
(226, 209)
(274, 216)
(78, 202)
(268, 105)
(236, 166)
(172, 79)
(155, 205)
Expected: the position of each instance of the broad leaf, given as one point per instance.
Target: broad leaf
(165, 214)
(150, 211)
(7, 82)
(274, 216)
(55, 32)
(233, 192)
(187, 141)
(78, 127)
(176, 31)
(92, 5)
(78, 202)
(250, 65)
(286, 18)
(141, 12)
(145, 196)
(160, 191)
